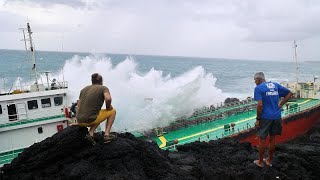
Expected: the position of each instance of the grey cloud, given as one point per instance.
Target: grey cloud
(264, 20)
(172, 27)
(48, 3)
(10, 22)
(277, 21)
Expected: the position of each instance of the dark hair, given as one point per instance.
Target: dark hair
(96, 78)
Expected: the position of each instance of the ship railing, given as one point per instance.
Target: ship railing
(22, 118)
(222, 105)
(217, 134)
(57, 85)
(13, 118)
(207, 117)
(33, 88)
(300, 108)
(230, 108)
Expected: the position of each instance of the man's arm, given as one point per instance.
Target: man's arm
(108, 99)
(259, 112)
(78, 105)
(259, 109)
(78, 102)
(286, 98)
(258, 97)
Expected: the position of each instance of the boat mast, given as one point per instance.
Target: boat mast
(24, 39)
(34, 67)
(296, 60)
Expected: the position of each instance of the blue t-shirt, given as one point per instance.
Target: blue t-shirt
(270, 93)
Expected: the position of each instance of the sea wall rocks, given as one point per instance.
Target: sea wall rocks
(67, 155)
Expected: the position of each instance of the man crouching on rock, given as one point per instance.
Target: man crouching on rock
(268, 114)
(89, 112)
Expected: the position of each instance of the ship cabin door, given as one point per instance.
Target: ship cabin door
(12, 112)
(22, 112)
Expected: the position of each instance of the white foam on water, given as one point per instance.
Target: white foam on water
(142, 100)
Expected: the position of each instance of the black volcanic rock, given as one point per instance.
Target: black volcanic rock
(67, 155)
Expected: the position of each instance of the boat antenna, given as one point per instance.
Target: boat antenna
(34, 67)
(4, 83)
(24, 38)
(62, 38)
(296, 60)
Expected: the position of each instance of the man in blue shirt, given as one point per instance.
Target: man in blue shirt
(268, 121)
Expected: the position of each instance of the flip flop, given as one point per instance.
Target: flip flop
(259, 165)
(110, 137)
(90, 139)
(268, 164)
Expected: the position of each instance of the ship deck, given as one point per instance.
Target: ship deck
(219, 128)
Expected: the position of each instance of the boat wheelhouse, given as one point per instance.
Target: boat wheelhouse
(31, 113)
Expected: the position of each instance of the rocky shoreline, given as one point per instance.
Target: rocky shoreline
(67, 155)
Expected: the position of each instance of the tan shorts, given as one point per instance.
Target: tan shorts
(102, 116)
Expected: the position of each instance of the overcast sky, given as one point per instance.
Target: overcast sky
(240, 29)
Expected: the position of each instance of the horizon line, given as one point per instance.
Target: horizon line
(180, 56)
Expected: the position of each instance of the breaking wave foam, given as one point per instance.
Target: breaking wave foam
(143, 100)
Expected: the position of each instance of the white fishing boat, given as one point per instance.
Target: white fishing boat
(31, 113)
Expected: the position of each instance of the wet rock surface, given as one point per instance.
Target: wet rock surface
(67, 155)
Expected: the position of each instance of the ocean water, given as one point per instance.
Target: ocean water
(176, 85)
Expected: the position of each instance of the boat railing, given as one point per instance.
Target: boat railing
(300, 107)
(223, 106)
(34, 88)
(226, 106)
(13, 118)
(215, 135)
(17, 121)
(223, 111)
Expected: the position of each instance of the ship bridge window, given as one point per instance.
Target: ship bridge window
(46, 103)
(0, 109)
(58, 100)
(33, 104)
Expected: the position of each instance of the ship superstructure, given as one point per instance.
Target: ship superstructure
(30, 113)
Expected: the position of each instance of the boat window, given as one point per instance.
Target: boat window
(12, 112)
(58, 101)
(46, 102)
(0, 109)
(33, 104)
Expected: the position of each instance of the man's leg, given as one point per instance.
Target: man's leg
(109, 123)
(262, 133)
(93, 129)
(105, 115)
(276, 129)
(261, 150)
(272, 148)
